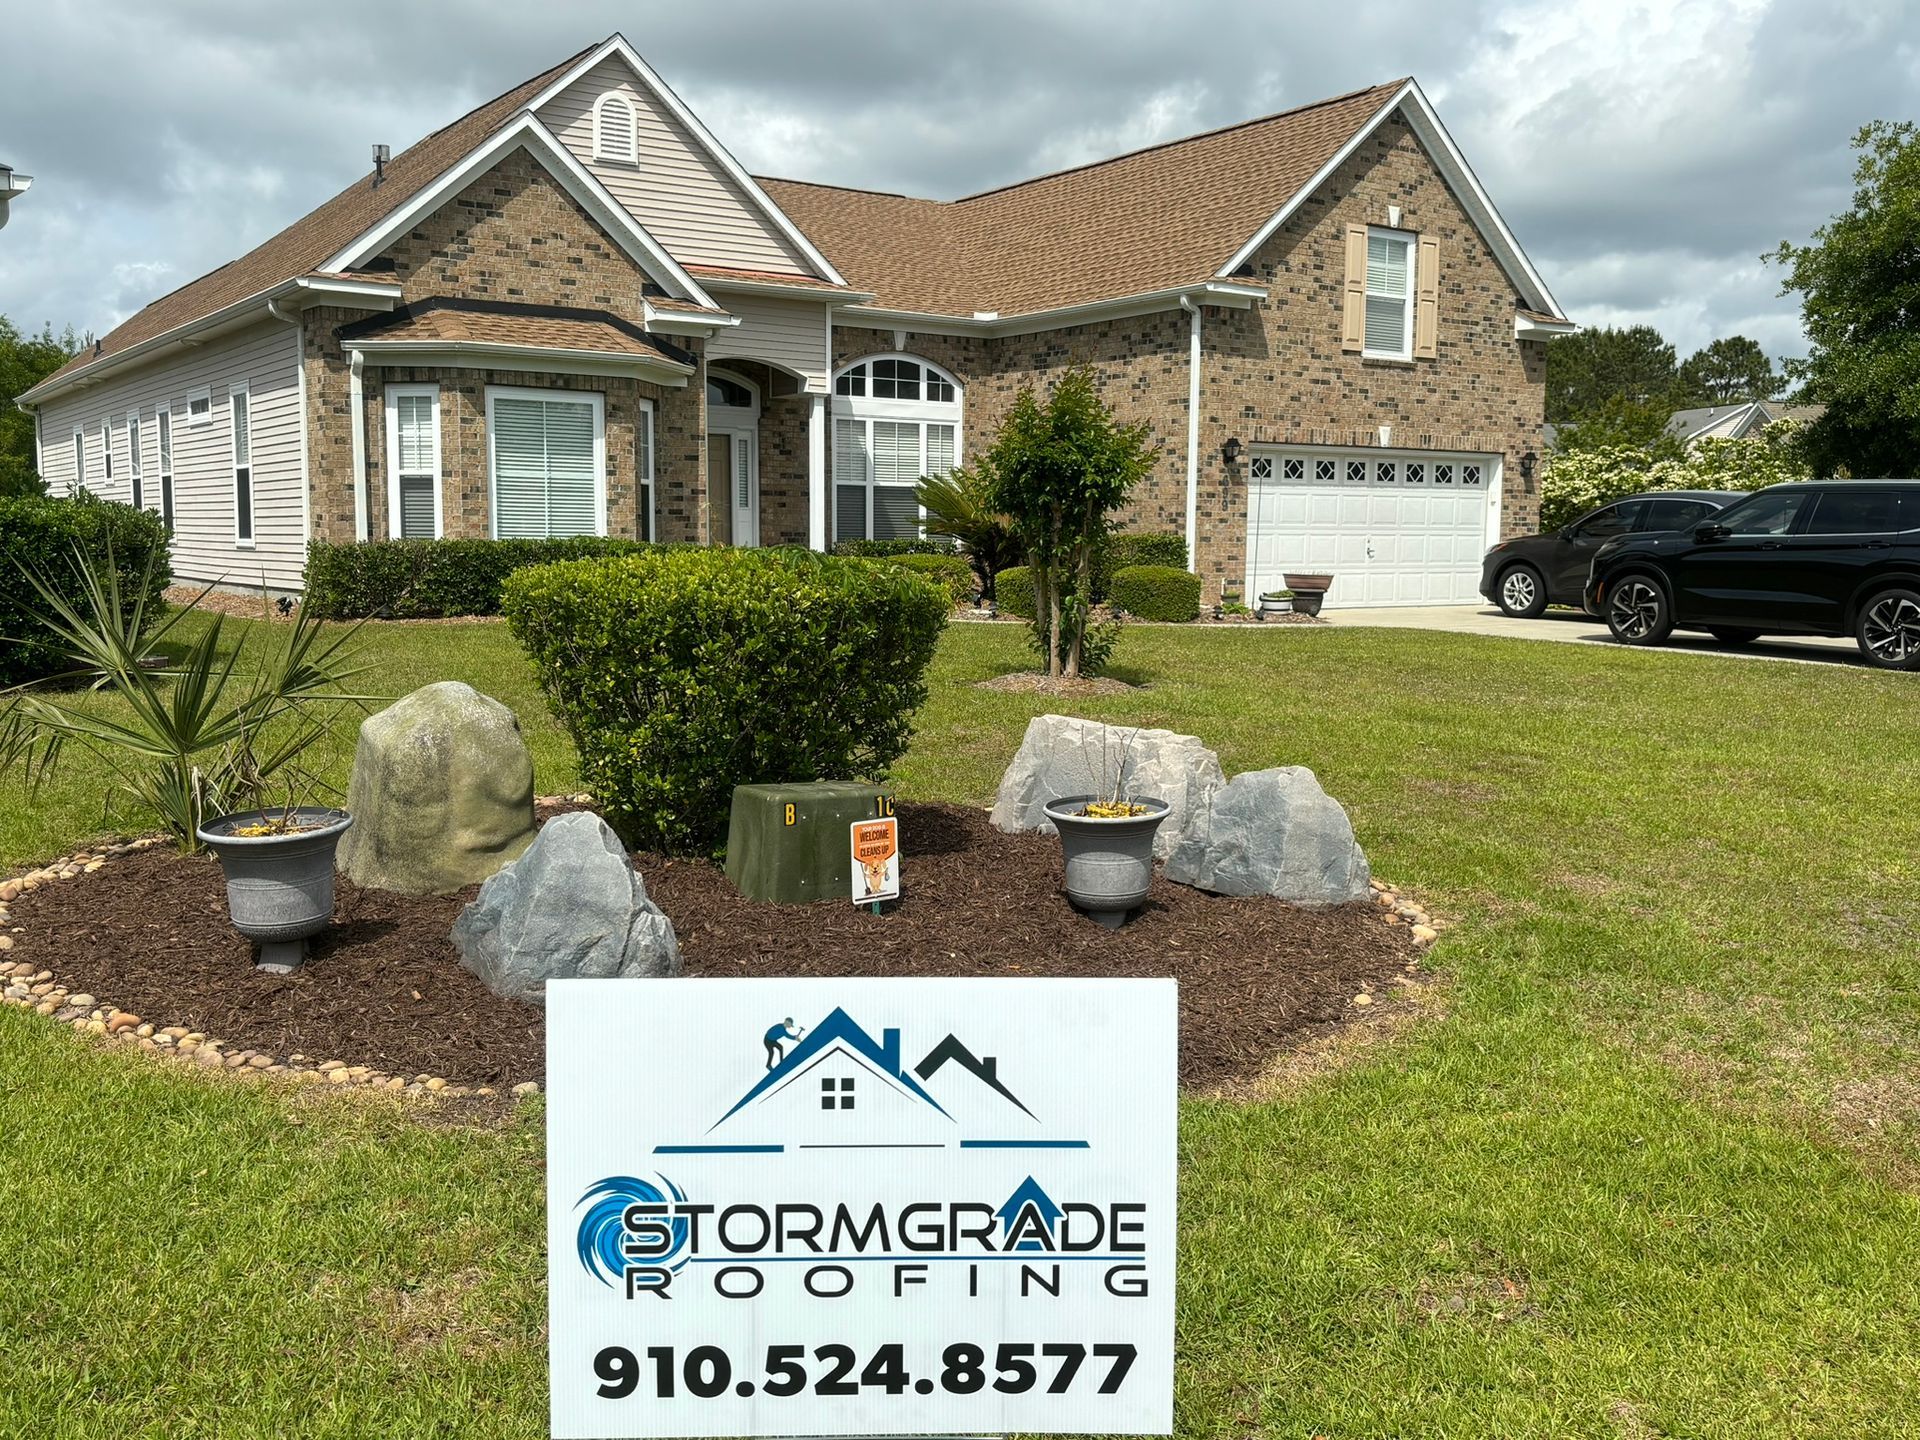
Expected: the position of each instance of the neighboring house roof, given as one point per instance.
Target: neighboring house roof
(1730, 422)
(458, 321)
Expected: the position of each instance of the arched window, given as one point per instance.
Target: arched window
(615, 130)
(895, 419)
(729, 393)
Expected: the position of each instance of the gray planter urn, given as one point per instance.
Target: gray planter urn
(279, 887)
(1109, 862)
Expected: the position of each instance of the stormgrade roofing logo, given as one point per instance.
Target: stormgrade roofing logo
(839, 1066)
(601, 1238)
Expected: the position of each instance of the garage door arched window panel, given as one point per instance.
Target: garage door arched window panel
(546, 462)
(1393, 526)
(896, 418)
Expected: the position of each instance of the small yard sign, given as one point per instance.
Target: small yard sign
(860, 1207)
(876, 861)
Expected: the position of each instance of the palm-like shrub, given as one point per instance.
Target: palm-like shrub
(202, 736)
(957, 507)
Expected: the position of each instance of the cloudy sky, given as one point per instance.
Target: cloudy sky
(1645, 154)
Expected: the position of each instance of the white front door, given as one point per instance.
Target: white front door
(733, 472)
(1393, 527)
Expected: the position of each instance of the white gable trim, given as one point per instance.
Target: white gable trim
(616, 44)
(1452, 165)
(526, 132)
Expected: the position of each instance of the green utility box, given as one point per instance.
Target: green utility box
(792, 844)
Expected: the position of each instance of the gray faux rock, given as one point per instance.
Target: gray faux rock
(441, 795)
(572, 906)
(1063, 755)
(1272, 832)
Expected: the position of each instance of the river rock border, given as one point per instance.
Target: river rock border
(30, 987)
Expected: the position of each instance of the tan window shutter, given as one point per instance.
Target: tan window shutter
(1353, 315)
(1426, 300)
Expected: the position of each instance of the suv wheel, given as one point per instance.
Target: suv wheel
(1522, 593)
(1638, 612)
(1733, 637)
(1889, 630)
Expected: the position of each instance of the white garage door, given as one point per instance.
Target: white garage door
(1393, 527)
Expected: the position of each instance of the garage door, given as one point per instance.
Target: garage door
(1395, 527)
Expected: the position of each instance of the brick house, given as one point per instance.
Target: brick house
(572, 311)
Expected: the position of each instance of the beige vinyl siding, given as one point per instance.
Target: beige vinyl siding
(677, 190)
(263, 358)
(788, 333)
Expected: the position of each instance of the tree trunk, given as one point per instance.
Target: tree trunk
(1052, 599)
(1082, 587)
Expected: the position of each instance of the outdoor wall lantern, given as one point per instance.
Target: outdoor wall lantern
(1526, 469)
(1230, 452)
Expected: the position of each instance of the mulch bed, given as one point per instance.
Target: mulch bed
(1034, 682)
(149, 932)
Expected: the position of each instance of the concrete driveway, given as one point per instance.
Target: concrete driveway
(1579, 629)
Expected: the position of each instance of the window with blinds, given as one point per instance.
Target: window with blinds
(413, 460)
(1389, 319)
(134, 468)
(546, 464)
(242, 467)
(163, 421)
(643, 469)
(896, 420)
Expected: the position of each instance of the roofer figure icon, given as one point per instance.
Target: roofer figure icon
(782, 1032)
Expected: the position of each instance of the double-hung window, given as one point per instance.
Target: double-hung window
(134, 467)
(242, 465)
(643, 469)
(413, 462)
(1389, 319)
(895, 419)
(106, 453)
(79, 461)
(163, 423)
(547, 453)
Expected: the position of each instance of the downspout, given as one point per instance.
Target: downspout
(357, 406)
(1193, 433)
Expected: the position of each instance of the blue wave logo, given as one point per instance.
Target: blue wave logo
(603, 1231)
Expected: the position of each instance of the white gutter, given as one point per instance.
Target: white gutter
(362, 294)
(1193, 434)
(358, 410)
(1236, 294)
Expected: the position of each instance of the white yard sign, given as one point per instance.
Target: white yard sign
(860, 1207)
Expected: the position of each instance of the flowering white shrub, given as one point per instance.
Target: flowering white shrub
(1573, 482)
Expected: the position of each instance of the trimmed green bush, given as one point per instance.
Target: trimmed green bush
(684, 672)
(1149, 547)
(40, 536)
(1156, 592)
(1013, 591)
(426, 579)
(950, 572)
(881, 549)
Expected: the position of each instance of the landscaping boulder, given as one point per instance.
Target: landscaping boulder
(1063, 755)
(1272, 832)
(572, 906)
(441, 794)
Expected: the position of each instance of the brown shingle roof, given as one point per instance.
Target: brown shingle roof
(724, 273)
(447, 319)
(1164, 216)
(307, 243)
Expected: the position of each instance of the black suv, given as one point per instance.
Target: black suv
(1530, 572)
(1819, 557)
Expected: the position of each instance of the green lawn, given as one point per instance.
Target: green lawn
(1648, 1170)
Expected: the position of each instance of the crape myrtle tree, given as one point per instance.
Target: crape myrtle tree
(1058, 470)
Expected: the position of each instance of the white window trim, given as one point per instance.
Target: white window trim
(163, 459)
(1412, 242)
(136, 468)
(205, 393)
(106, 451)
(394, 394)
(600, 150)
(524, 392)
(650, 519)
(250, 541)
(866, 407)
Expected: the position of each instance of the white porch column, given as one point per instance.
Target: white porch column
(817, 486)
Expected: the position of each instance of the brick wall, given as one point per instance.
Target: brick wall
(512, 235)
